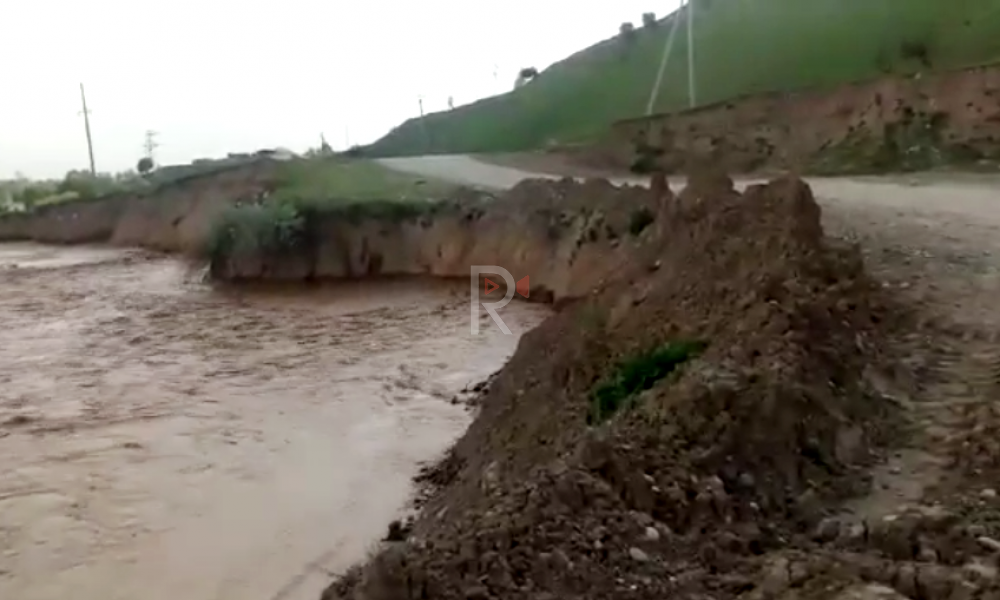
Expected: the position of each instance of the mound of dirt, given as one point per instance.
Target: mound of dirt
(700, 475)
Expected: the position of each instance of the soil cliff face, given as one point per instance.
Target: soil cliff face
(565, 236)
(888, 124)
(173, 218)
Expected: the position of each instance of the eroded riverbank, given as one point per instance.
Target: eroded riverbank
(160, 439)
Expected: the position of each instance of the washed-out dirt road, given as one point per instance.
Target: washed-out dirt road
(160, 439)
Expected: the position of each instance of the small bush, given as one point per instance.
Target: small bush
(636, 374)
(916, 50)
(649, 19)
(271, 226)
(280, 224)
(639, 220)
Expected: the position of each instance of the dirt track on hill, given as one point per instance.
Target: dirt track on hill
(976, 197)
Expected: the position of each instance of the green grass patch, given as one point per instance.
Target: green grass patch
(322, 181)
(741, 47)
(636, 374)
(309, 189)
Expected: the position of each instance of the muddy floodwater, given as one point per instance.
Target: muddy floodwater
(160, 439)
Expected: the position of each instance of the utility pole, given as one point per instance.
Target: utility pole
(692, 92)
(663, 63)
(150, 144)
(86, 124)
(423, 124)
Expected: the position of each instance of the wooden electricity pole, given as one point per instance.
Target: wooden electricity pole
(86, 124)
(423, 125)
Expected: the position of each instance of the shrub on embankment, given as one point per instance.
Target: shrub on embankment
(285, 230)
(307, 192)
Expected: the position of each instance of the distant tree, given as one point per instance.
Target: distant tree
(649, 19)
(30, 195)
(145, 165)
(627, 31)
(85, 185)
(525, 75)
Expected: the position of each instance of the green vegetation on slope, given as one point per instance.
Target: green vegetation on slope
(638, 373)
(349, 188)
(22, 194)
(334, 179)
(741, 47)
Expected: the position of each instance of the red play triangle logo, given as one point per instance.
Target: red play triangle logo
(490, 286)
(522, 287)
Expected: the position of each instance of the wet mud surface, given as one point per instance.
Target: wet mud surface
(163, 439)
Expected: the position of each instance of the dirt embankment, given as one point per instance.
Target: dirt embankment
(565, 236)
(695, 484)
(888, 124)
(175, 217)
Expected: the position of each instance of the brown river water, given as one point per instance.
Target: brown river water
(161, 439)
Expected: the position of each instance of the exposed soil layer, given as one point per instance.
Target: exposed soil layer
(175, 217)
(565, 236)
(692, 489)
(894, 123)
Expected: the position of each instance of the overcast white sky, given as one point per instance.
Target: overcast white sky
(215, 76)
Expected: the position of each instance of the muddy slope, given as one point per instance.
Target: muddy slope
(875, 126)
(174, 217)
(685, 491)
(566, 236)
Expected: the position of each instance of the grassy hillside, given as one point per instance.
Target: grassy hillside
(741, 47)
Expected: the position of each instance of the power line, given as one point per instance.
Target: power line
(692, 92)
(86, 124)
(663, 63)
(687, 8)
